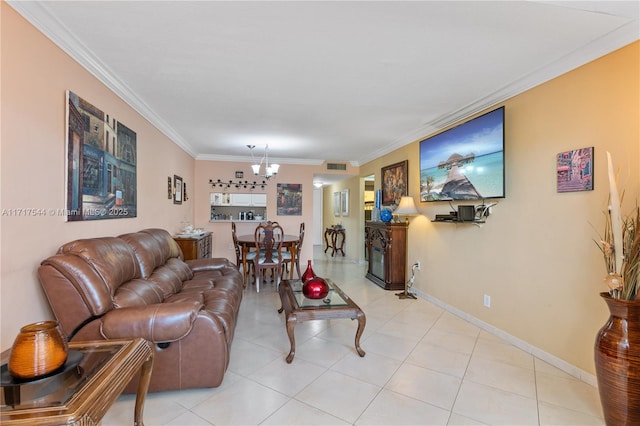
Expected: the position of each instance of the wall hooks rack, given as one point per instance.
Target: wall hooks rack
(237, 184)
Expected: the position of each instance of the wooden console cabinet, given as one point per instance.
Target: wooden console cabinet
(386, 245)
(196, 247)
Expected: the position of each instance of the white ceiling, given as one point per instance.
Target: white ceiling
(326, 80)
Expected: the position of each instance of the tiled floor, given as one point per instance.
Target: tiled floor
(423, 366)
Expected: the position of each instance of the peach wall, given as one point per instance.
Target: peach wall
(535, 256)
(223, 170)
(35, 77)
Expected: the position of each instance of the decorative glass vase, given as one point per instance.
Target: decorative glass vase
(315, 288)
(617, 362)
(308, 273)
(38, 350)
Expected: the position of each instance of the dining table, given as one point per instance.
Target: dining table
(246, 242)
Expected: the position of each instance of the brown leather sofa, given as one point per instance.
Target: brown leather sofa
(137, 285)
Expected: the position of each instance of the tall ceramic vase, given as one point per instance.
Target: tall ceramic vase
(617, 359)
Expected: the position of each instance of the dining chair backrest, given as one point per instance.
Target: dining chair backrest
(268, 242)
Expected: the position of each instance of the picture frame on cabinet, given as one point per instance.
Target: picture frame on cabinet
(169, 188)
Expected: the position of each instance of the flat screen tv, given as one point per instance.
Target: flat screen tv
(465, 162)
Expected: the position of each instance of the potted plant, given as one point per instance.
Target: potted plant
(617, 346)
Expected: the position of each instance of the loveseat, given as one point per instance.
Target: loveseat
(137, 285)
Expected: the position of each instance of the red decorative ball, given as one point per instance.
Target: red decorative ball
(315, 288)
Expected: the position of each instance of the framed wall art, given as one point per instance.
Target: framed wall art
(574, 170)
(336, 204)
(177, 189)
(169, 188)
(101, 161)
(344, 202)
(289, 199)
(394, 183)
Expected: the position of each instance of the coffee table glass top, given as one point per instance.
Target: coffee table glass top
(333, 299)
(57, 389)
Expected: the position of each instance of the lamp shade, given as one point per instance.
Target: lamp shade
(406, 207)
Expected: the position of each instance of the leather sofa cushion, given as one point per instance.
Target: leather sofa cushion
(101, 254)
(147, 250)
(162, 322)
(137, 293)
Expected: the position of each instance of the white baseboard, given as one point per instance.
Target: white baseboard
(521, 344)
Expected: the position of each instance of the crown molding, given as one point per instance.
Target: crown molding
(42, 18)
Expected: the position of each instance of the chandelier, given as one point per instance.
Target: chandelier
(269, 169)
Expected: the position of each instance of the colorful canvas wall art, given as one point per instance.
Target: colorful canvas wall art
(289, 199)
(574, 170)
(101, 164)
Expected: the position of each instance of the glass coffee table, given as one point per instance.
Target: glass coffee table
(83, 390)
(298, 308)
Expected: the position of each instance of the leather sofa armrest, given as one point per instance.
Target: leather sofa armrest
(162, 322)
(198, 265)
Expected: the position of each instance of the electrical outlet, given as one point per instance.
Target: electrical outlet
(418, 265)
(487, 301)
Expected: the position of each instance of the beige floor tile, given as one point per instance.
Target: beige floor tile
(504, 353)
(372, 368)
(394, 347)
(552, 415)
(570, 393)
(188, 419)
(425, 385)
(339, 395)
(494, 406)
(243, 403)
(406, 411)
(288, 379)
(458, 420)
(503, 376)
(451, 341)
(450, 323)
(439, 359)
(322, 352)
(296, 413)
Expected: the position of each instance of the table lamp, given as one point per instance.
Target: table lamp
(406, 208)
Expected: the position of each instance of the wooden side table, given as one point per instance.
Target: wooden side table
(83, 394)
(334, 238)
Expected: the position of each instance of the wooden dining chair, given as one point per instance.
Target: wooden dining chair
(289, 260)
(247, 264)
(268, 241)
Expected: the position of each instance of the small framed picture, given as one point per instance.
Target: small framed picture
(177, 189)
(344, 202)
(574, 170)
(239, 174)
(336, 204)
(169, 188)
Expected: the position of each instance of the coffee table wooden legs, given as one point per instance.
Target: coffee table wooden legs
(291, 324)
(362, 321)
(143, 387)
